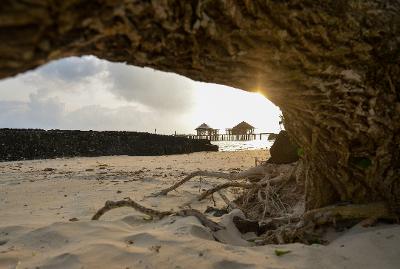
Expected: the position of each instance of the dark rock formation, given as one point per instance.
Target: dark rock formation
(332, 66)
(283, 150)
(272, 136)
(27, 144)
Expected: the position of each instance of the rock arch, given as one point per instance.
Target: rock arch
(331, 66)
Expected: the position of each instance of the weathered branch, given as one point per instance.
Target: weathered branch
(344, 212)
(272, 181)
(253, 174)
(224, 186)
(201, 217)
(127, 202)
(230, 205)
(192, 175)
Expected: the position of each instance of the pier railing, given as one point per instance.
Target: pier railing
(232, 137)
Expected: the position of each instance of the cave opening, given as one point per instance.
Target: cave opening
(86, 93)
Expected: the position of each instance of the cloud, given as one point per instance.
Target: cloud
(89, 93)
(101, 118)
(35, 113)
(158, 90)
(51, 113)
(72, 69)
(92, 94)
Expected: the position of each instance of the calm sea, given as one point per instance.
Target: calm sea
(243, 145)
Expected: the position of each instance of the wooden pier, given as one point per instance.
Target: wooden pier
(230, 137)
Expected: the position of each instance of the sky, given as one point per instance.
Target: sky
(87, 93)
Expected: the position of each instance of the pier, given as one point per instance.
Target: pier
(240, 132)
(231, 137)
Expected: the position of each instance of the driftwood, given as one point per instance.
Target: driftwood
(269, 199)
(224, 186)
(201, 217)
(334, 213)
(127, 202)
(192, 175)
(230, 205)
(253, 174)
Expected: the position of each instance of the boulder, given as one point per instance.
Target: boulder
(283, 150)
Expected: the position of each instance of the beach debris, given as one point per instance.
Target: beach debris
(271, 196)
(224, 186)
(155, 248)
(128, 202)
(147, 218)
(216, 212)
(49, 169)
(73, 219)
(281, 252)
(250, 173)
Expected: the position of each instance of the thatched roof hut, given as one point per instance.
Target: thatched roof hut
(203, 126)
(204, 129)
(242, 128)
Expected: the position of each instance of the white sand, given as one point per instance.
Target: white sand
(36, 205)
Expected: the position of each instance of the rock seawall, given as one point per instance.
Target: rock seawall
(28, 144)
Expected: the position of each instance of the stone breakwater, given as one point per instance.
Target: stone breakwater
(28, 144)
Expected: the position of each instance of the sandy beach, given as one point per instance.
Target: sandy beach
(46, 206)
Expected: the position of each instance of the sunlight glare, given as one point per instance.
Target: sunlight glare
(223, 107)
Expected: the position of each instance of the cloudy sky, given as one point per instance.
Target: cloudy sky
(91, 94)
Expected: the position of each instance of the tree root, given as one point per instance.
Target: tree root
(127, 202)
(224, 186)
(271, 202)
(289, 230)
(242, 185)
(331, 214)
(253, 174)
(192, 175)
(230, 205)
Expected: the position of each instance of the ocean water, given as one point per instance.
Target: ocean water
(243, 145)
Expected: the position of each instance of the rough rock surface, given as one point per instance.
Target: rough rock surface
(331, 66)
(28, 144)
(283, 150)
